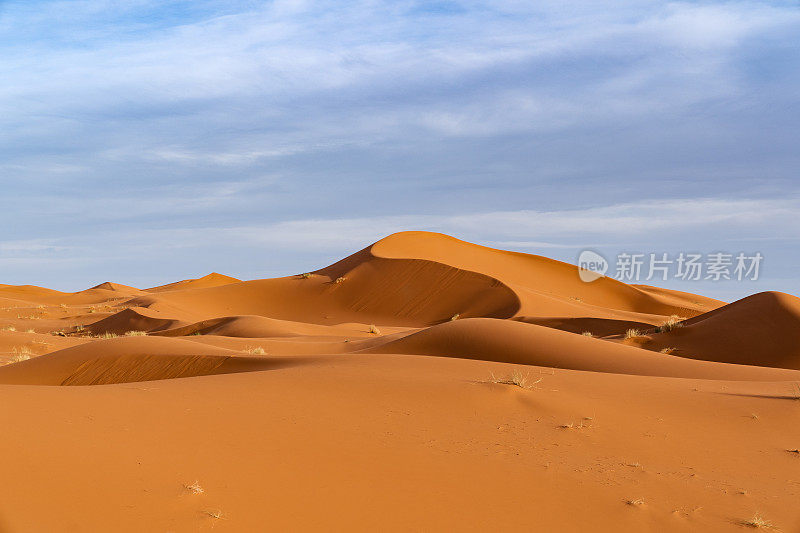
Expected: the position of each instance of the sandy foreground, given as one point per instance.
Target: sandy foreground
(423, 384)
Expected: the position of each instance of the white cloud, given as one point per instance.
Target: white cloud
(290, 124)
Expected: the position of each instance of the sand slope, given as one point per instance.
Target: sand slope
(125, 360)
(762, 329)
(420, 384)
(516, 342)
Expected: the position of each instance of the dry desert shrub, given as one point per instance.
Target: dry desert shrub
(305, 275)
(455, 317)
(215, 513)
(633, 333)
(758, 522)
(579, 425)
(194, 488)
(517, 379)
(9, 328)
(339, 280)
(637, 501)
(22, 350)
(106, 335)
(669, 350)
(587, 334)
(255, 350)
(671, 323)
(374, 329)
(16, 358)
(136, 334)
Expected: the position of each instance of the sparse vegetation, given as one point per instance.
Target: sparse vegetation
(669, 350)
(30, 330)
(22, 350)
(16, 358)
(339, 280)
(637, 501)
(374, 329)
(215, 513)
(633, 333)
(758, 521)
(136, 334)
(106, 335)
(63, 306)
(573, 425)
(587, 334)
(455, 317)
(9, 328)
(671, 323)
(194, 488)
(255, 350)
(305, 275)
(517, 379)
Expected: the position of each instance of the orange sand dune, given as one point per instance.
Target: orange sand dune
(397, 443)
(98, 294)
(520, 343)
(126, 360)
(260, 327)
(134, 319)
(420, 384)
(598, 327)
(211, 280)
(762, 329)
(546, 278)
(418, 279)
(115, 287)
(392, 292)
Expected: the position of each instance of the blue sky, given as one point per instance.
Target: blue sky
(147, 141)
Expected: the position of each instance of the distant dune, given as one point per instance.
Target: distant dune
(422, 383)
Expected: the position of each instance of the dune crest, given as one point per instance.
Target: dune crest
(762, 329)
(333, 398)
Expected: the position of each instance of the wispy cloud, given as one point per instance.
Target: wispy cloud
(324, 125)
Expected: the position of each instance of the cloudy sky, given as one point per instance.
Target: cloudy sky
(145, 141)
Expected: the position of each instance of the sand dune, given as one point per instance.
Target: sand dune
(126, 360)
(422, 383)
(254, 326)
(762, 329)
(211, 280)
(134, 319)
(392, 292)
(515, 342)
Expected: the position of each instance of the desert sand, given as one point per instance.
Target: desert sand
(421, 384)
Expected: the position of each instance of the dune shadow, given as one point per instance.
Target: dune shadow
(792, 397)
